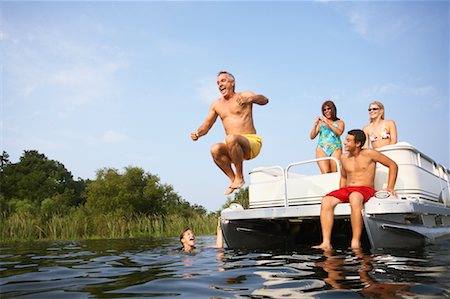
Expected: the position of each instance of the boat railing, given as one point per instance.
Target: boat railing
(419, 177)
(314, 161)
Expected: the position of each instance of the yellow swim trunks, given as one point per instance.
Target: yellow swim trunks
(255, 144)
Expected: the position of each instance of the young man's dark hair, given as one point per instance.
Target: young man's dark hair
(359, 135)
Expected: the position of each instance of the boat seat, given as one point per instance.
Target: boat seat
(311, 189)
(415, 181)
(268, 189)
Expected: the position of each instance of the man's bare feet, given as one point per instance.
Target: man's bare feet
(229, 191)
(237, 183)
(323, 246)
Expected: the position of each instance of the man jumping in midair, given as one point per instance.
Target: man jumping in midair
(241, 142)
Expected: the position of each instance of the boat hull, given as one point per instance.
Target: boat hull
(388, 234)
(383, 234)
(273, 234)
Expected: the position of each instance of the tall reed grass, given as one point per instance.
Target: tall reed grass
(82, 225)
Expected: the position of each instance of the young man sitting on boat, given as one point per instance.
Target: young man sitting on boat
(356, 186)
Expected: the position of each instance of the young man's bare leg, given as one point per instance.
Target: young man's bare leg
(219, 152)
(356, 205)
(238, 149)
(327, 221)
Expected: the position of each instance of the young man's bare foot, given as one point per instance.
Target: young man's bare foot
(323, 246)
(355, 244)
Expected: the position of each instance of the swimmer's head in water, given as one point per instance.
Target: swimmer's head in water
(187, 238)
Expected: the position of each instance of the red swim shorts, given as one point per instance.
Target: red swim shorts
(344, 193)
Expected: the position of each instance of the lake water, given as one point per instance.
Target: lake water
(143, 268)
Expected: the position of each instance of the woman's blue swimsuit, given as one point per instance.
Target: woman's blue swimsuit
(328, 140)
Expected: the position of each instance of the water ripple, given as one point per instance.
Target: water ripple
(150, 267)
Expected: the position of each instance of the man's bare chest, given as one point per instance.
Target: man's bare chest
(232, 109)
(357, 165)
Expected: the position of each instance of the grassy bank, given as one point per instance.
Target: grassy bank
(80, 225)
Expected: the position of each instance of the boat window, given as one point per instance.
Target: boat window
(419, 159)
(436, 169)
(442, 172)
(427, 165)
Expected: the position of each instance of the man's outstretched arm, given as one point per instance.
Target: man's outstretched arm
(207, 124)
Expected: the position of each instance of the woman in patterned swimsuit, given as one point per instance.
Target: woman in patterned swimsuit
(329, 128)
(379, 131)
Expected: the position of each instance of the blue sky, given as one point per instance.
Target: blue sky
(117, 84)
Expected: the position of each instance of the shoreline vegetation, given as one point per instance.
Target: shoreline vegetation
(40, 200)
(79, 226)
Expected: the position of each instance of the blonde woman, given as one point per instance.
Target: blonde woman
(329, 128)
(379, 132)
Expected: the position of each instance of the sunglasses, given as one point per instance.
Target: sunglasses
(326, 109)
(374, 109)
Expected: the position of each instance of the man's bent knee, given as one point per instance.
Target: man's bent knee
(330, 202)
(356, 200)
(217, 149)
(232, 139)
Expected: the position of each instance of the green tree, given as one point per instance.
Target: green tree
(35, 178)
(134, 191)
(4, 160)
(240, 197)
(102, 194)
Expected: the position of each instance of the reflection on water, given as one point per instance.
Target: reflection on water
(147, 268)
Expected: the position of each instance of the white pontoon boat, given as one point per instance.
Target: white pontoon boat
(284, 206)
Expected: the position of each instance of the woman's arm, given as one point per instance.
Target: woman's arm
(366, 131)
(219, 236)
(315, 129)
(393, 131)
(337, 130)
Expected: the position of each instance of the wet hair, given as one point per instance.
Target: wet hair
(332, 106)
(230, 76)
(359, 135)
(380, 105)
(182, 235)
